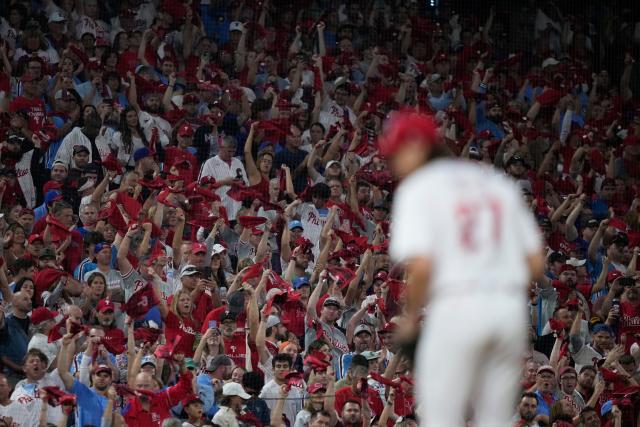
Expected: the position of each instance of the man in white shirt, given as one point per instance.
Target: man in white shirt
(282, 364)
(336, 109)
(23, 413)
(226, 170)
(29, 389)
(42, 321)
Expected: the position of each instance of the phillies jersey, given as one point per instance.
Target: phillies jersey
(470, 221)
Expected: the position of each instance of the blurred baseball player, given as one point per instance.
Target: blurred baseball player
(471, 248)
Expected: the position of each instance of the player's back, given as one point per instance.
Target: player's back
(470, 221)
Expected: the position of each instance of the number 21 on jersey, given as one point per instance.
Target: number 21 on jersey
(473, 218)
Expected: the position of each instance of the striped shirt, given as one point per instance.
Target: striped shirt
(219, 169)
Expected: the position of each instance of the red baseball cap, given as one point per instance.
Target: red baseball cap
(388, 327)
(34, 238)
(105, 305)
(613, 275)
(190, 98)
(190, 398)
(101, 368)
(405, 127)
(185, 130)
(42, 314)
(315, 387)
(567, 267)
(197, 248)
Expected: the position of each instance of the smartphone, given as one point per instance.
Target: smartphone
(239, 174)
(213, 324)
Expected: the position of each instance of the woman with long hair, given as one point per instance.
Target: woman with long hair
(94, 290)
(179, 321)
(210, 346)
(128, 138)
(17, 238)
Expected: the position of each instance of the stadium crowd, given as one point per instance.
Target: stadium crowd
(195, 217)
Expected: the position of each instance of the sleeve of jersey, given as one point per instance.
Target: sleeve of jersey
(410, 228)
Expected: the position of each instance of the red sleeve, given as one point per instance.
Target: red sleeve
(174, 394)
(203, 306)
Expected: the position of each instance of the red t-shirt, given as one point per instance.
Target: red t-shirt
(236, 348)
(161, 404)
(203, 306)
(184, 327)
(34, 108)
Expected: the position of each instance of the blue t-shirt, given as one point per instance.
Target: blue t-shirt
(91, 404)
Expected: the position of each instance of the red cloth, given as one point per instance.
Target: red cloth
(161, 404)
(185, 328)
(173, 155)
(140, 302)
(294, 312)
(34, 108)
(344, 394)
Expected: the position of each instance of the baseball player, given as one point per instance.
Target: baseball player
(470, 247)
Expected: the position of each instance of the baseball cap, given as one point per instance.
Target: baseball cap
(189, 270)
(407, 126)
(189, 399)
(189, 363)
(140, 154)
(362, 328)
(332, 301)
(228, 315)
(185, 130)
(189, 98)
(333, 162)
(300, 282)
(315, 387)
(100, 246)
(64, 94)
(371, 355)
(606, 407)
(198, 248)
(515, 160)
(295, 224)
(235, 26)
(549, 62)
(217, 249)
(219, 360)
(52, 196)
(434, 77)
(101, 368)
(613, 275)
(35, 238)
(148, 360)
(79, 149)
(56, 17)
(388, 327)
(601, 327)
(42, 314)
(576, 262)
(16, 138)
(235, 389)
(557, 257)
(566, 369)
(272, 321)
(381, 205)
(105, 305)
(546, 368)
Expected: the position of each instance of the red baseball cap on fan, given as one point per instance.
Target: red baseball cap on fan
(407, 127)
(185, 130)
(105, 305)
(197, 248)
(42, 314)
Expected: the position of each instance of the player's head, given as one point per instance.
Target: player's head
(409, 140)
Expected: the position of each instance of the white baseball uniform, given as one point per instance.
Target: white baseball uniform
(472, 224)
